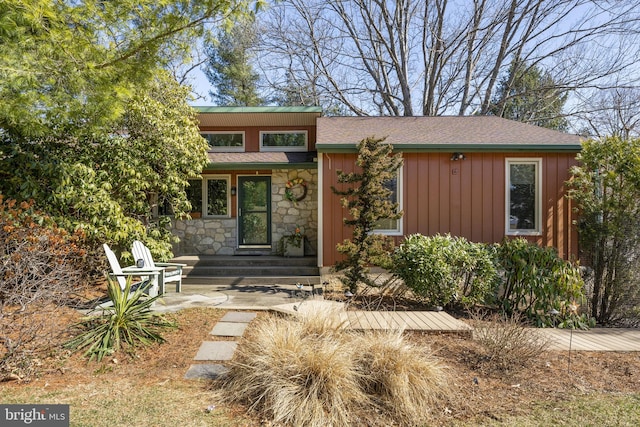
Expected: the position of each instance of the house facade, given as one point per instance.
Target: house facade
(272, 168)
(260, 185)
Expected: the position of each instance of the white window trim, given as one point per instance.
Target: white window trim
(537, 161)
(396, 231)
(226, 149)
(205, 195)
(285, 148)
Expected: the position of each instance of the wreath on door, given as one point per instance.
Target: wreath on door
(296, 190)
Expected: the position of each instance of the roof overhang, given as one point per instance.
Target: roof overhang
(257, 116)
(262, 160)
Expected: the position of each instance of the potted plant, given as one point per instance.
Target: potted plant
(293, 244)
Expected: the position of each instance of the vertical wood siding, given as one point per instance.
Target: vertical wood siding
(465, 198)
(252, 134)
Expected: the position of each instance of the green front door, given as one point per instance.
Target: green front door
(254, 211)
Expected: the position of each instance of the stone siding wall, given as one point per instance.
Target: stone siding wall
(219, 236)
(288, 215)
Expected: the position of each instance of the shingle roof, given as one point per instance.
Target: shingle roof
(441, 132)
(260, 159)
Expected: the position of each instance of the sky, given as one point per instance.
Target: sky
(201, 87)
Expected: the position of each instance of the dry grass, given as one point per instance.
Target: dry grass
(298, 373)
(312, 372)
(508, 345)
(406, 380)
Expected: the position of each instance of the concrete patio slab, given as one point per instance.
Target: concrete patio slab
(177, 301)
(229, 329)
(206, 372)
(216, 350)
(238, 317)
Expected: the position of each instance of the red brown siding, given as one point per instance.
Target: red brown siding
(252, 134)
(465, 198)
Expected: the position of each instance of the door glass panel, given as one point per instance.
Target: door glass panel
(255, 211)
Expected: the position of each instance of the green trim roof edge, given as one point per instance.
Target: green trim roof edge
(225, 110)
(260, 166)
(415, 148)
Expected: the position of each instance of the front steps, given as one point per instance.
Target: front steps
(248, 269)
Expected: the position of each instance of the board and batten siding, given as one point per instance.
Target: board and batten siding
(464, 198)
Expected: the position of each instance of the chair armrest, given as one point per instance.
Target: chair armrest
(145, 271)
(170, 264)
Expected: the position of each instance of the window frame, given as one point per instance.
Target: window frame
(284, 148)
(398, 231)
(205, 195)
(537, 162)
(227, 132)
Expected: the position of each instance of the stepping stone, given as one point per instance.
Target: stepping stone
(216, 350)
(206, 372)
(229, 329)
(238, 317)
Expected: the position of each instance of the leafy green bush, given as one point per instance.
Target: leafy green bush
(129, 320)
(474, 271)
(445, 269)
(605, 190)
(536, 281)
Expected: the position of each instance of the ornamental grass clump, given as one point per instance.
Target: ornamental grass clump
(296, 378)
(312, 371)
(406, 381)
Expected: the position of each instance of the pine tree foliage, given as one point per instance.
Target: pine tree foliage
(229, 67)
(368, 201)
(529, 94)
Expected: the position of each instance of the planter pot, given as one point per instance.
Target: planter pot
(291, 250)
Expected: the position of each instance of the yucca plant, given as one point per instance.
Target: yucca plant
(129, 320)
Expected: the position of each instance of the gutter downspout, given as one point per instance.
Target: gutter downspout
(320, 219)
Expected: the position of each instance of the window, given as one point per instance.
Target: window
(209, 197)
(388, 225)
(194, 194)
(224, 141)
(283, 141)
(523, 196)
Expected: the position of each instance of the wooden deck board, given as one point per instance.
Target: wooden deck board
(408, 320)
(435, 319)
(598, 339)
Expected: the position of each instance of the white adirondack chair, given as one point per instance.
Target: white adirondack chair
(172, 270)
(153, 274)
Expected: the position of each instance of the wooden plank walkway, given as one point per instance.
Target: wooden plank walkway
(407, 320)
(596, 339)
(382, 320)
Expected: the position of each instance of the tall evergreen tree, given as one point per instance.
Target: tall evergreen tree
(529, 94)
(229, 67)
(368, 201)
